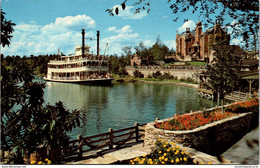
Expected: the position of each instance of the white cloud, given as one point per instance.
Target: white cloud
(238, 41)
(79, 21)
(120, 37)
(170, 44)
(111, 28)
(64, 34)
(29, 28)
(165, 17)
(125, 29)
(69, 23)
(128, 13)
(189, 24)
(148, 43)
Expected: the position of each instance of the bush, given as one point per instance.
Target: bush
(167, 75)
(165, 153)
(189, 79)
(122, 72)
(149, 76)
(138, 74)
(157, 74)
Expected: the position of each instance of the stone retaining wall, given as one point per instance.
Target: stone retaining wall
(214, 138)
(180, 74)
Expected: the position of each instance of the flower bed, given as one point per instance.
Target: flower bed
(194, 120)
(212, 132)
(164, 153)
(191, 121)
(241, 107)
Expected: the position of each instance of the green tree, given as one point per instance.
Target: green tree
(144, 53)
(113, 64)
(26, 122)
(127, 53)
(159, 50)
(6, 30)
(224, 72)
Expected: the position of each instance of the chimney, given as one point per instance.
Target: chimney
(187, 30)
(98, 43)
(83, 43)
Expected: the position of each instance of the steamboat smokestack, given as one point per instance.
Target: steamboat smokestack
(98, 43)
(83, 43)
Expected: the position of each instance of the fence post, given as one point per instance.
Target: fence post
(80, 147)
(136, 132)
(111, 138)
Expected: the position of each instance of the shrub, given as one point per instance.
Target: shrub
(167, 75)
(149, 76)
(138, 74)
(189, 79)
(122, 72)
(165, 153)
(157, 74)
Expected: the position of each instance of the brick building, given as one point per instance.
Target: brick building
(196, 45)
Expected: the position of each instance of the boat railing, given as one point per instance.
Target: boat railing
(80, 68)
(80, 78)
(76, 60)
(66, 78)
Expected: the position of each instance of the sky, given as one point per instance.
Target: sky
(44, 26)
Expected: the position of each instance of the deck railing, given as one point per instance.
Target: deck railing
(105, 141)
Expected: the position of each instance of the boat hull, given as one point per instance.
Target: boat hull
(102, 81)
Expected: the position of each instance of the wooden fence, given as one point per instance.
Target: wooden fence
(105, 141)
(113, 139)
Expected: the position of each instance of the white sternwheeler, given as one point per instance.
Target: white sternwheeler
(75, 69)
(79, 68)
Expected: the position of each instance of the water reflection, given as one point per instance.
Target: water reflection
(120, 106)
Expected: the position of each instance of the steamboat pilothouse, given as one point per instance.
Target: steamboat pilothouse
(81, 67)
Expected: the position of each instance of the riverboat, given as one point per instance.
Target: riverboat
(79, 68)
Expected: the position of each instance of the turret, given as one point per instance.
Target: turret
(198, 31)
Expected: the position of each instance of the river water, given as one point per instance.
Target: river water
(121, 105)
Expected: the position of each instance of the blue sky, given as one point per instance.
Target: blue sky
(43, 26)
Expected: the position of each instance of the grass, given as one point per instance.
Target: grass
(198, 63)
(131, 79)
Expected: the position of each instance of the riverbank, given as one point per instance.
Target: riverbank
(118, 80)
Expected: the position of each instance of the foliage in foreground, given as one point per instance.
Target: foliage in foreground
(46, 161)
(26, 122)
(164, 153)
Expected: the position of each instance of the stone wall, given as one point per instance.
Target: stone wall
(214, 138)
(179, 73)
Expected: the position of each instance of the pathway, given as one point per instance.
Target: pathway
(245, 151)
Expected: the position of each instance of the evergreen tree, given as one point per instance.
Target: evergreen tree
(224, 72)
